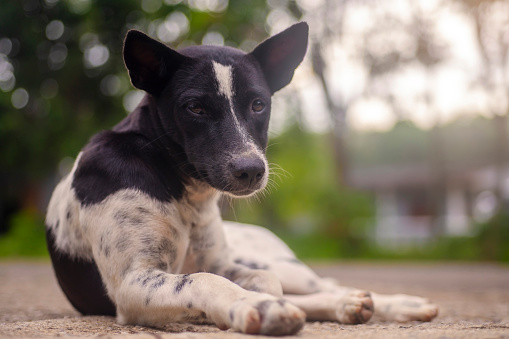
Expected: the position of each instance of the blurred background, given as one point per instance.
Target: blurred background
(390, 143)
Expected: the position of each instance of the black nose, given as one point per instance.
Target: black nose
(247, 170)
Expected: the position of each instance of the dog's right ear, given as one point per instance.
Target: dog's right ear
(149, 62)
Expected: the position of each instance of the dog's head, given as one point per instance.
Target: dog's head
(214, 102)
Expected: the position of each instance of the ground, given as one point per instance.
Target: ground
(473, 300)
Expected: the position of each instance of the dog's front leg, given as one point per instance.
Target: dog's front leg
(139, 247)
(155, 298)
(147, 295)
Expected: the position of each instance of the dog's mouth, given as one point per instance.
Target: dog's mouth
(238, 187)
(243, 193)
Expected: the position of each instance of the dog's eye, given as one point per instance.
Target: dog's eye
(195, 108)
(258, 106)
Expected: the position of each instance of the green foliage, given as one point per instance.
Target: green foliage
(493, 238)
(313, 246)
(491, 243)
(445, 248)
(26, 236)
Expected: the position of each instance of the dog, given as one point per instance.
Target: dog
(134, 231)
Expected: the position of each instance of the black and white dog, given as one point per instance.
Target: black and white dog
(135, 230)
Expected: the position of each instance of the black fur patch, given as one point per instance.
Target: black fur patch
(312, 284)
(184, 280)
(123, 243)
(127, 218)
(154, 279)
(141, 277)
(81, 282)
(197, 318)
(142, 211)
(262, 308)
(159, 281)
(113, 161)
(77, 234)
(161, 265)
(291, 260)
(252, 264)
(231, 273)
(126, 270)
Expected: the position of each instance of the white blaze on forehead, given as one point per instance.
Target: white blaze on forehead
(224, 78)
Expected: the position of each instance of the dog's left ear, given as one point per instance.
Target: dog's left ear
(280, 55)
(149, 62)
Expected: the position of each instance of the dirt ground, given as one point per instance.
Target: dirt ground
(473, 300)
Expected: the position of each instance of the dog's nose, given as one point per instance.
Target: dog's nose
(248, 170)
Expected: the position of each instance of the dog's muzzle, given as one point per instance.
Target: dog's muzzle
(248, 175)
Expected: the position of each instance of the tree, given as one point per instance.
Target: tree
(491, 21)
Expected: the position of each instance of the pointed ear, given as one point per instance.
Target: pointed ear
(149, 62)
(280, 55)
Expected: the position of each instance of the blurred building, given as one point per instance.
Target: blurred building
(418, 197)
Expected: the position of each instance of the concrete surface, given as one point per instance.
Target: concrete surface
(473, 300)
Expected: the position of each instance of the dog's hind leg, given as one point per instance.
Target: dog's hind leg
(350, 307)
(322, 299)
(325, 299)
(404, 308)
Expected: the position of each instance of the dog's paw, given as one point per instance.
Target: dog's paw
(262, 314)
(405, 308)
(355, 307)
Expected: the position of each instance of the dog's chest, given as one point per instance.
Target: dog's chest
(130, 221)
(171, 234)
(205, 233)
